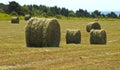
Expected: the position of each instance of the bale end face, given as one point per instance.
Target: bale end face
(73, 36)
(98, 37)
(53, 33)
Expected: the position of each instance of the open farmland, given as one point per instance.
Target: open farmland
(14, 55)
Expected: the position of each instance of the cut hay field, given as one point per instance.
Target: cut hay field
(14, 55)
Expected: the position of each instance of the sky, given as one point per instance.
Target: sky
(90, 5)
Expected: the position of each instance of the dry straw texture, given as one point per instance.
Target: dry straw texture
(92, 25)
(73, 36)
(27, 17)
(42, 32)
(15, 20)
(98, 37)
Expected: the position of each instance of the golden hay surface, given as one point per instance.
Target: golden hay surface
(98, 37)
(73, 36)
(14, 55)
(92, 25)
(42, 32)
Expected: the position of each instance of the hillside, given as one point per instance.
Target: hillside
(4, 16)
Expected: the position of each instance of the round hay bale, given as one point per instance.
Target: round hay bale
(92, 25)
(98, 37)
(27, 17)
(73, 36)
(42, 32)
(15, 20)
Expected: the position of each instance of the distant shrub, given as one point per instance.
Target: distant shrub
(58, 16)
(14, 13)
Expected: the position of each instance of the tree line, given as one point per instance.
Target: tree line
(14, 8)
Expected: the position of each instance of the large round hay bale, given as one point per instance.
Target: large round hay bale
(27, 17)
(15, 20)
(92, 25)
(73, 36)
(42, 32)
(98, 37)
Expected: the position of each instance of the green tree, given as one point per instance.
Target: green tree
(71, 14)
(111, 15)
(82, 13)
(64, 12)
(14, 6)
(25, 9)
(53, 11)
(119, 16)
(103, 15)
(96, 14)
(79, 13)
(86, 13)
(43, 8)
(3, 8)
(13, 13)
